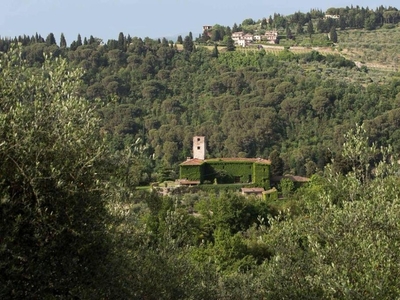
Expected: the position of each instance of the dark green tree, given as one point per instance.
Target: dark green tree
(321, 26)
(121, 41)
(50, 39)
(264, 23)
(310, 28)
(215, 52)
(333, 35)
(288, 33)
(92, 40)
(188, 44)
(276, 163)
(164, 42)
(230, 44)
(299, 29)
(53, 206)
(235, 28)
(63, 41)
(179, 40)
(216, 35)
(79, 41)
(248, 21)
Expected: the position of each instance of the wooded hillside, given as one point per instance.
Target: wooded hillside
(82, 126)
(246, 103)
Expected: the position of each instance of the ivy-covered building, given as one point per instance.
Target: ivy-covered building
(255, 171)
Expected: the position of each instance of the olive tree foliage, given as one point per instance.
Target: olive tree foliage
(52, 191)
(347, 249)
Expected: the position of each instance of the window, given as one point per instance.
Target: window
(198, 147)
(198, 139)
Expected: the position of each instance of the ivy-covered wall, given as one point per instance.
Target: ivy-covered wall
(228, 172)
(261, 175)
(191, 172)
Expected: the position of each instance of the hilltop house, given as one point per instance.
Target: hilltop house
(270, 36)
(242, 39)
(332, 17)
(252, 171)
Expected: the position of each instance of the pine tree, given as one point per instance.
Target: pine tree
(63, 41)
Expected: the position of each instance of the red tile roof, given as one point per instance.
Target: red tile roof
(189, 182)
(252, 190)
(192, 162)
(240, 159)
(198, 162)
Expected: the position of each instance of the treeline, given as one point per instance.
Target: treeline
(314, 21)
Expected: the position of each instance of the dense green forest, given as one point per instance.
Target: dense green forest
(84, 125)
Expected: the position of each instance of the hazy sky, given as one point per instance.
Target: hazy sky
(154, 18)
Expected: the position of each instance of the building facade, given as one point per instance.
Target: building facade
(254, 171)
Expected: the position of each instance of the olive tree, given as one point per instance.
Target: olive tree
(346, 249)
(52, 191)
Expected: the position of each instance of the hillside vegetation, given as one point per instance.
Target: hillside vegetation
(84, 125)
(298, 101)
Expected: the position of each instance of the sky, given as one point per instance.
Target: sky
(105, 19)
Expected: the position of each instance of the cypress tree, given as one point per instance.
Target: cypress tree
(121, 41)
(310, 28)
(50, 39)
(188, 44)
(164, 42)
(92, 41)
(63, 41)
(333, 35)
(79, 41)
(235, 28)
(179, 40)
(215, 52)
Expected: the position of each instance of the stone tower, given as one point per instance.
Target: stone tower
(199, 147)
